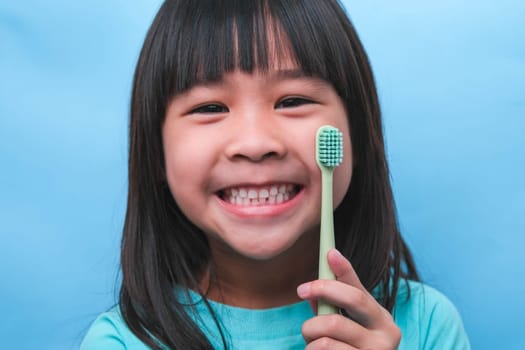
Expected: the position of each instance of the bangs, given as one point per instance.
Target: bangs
(208, 38)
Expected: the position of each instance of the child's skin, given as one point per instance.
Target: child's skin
(256, 132)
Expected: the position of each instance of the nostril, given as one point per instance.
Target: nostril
(256, 145)
(258, 157)
(270, 155)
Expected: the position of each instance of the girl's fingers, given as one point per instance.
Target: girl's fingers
(339, 332)
(336, 327)
(369, 325)
(359, 305)
(347, 292)
(343, 270)
(328, 343)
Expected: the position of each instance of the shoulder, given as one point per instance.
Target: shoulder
(110, 332)
(428, 319)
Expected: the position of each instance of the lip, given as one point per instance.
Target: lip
(262, 210)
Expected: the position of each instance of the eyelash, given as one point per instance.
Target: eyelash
(212, 108)
(292, 102)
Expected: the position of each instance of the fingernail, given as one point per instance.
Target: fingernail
(337, 253)
(303, 290)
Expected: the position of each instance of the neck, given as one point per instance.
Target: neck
(237, 280)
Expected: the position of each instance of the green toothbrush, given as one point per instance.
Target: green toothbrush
(329, 154)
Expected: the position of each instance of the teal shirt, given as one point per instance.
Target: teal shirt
(428, 320)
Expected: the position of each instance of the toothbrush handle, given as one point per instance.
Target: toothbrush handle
(327, 240)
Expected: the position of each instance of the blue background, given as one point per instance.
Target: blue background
(451, 78)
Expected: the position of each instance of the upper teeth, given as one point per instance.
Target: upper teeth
(260, 195)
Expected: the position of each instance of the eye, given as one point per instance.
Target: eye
(292, 102)
(209, 109)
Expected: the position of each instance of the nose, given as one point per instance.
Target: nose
(256, 138)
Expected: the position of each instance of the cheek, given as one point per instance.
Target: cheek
(185, 179)
(184, 165)
(342, 173)
(174, 158)
(176, 174)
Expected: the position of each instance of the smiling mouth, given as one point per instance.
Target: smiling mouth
(259, 195)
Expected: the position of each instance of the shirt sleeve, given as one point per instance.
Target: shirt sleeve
(428, 320)
(103, 335)
(445, 328)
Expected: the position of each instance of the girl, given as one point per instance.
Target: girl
(221, 236)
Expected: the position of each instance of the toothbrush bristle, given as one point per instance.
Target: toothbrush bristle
(329, 146)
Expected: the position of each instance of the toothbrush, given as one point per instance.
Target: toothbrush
(329, 154)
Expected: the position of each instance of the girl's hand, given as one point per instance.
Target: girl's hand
(369, 325)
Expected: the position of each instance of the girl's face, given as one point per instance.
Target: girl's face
(240, 158)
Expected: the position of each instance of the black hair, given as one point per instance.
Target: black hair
(194, 40)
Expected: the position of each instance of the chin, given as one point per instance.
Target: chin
(263, 255)
(265, 250)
